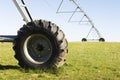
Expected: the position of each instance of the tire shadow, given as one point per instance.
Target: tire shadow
(6, 67)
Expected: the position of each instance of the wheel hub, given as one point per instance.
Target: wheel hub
(38, 48)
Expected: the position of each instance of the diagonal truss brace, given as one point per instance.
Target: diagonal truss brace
(91, 31)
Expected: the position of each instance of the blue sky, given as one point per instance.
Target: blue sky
(104, 13)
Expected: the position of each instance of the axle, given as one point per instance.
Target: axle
(7, 38)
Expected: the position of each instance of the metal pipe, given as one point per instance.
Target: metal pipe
(72, 15)
(59, 6)
(7, 38)
(89, 32)
(98, 32)
(78, 6)
(21, 11)
(27, 10)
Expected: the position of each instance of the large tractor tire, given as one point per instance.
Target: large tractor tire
(84, 40)
(101, 40)
(40, 45)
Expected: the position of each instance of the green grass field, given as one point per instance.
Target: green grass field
(85, 61)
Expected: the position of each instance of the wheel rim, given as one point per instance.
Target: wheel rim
(37, 48)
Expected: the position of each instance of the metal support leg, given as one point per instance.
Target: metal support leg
(21, 11)
(27, 10)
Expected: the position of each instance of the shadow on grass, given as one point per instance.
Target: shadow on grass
(15, 67)
(54, 71)
(6, 67)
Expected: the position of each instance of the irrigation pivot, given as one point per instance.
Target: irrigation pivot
(85, 15)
